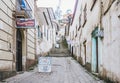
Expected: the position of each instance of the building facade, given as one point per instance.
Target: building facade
(17, 43)
(94, 37)
(49, 27)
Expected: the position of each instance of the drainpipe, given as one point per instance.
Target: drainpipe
(100, 51)
(101, 14)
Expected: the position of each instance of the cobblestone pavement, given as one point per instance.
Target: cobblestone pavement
(64, 70)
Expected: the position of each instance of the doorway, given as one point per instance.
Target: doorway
(19, 51)
(72, 50)
(95, 54)
(84, 52)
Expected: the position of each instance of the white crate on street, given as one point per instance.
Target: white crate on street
(44, 64)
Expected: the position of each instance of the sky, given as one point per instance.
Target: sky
(65, 4)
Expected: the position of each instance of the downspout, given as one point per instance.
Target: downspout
(100, 45)
(14, 38)
(101, 14)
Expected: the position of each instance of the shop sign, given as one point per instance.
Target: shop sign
(25, 23)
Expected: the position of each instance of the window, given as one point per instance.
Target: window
(38, 32)
(85, 15)
(85, 47)
(44, 31)
(80, 18)
(76, 31)
(75, 8)
(45, 18)
(94, 1)
(73, 35)
(79, 22)
(41, 35)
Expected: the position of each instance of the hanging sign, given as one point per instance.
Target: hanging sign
(25, 23)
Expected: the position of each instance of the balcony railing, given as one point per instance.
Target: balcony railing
(23, 9)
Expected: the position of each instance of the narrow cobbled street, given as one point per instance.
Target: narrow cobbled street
(64, 70)
(59, 41)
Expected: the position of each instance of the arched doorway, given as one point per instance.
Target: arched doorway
(19, 51)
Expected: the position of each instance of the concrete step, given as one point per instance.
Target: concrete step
(59, 51)
(59, 55)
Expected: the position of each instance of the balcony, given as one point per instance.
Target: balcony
(23, 9)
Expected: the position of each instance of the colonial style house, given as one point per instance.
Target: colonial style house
(17, 36)
(49, 27)
(94, 37)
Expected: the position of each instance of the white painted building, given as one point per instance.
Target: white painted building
(94, 37)
(48, 29)
(17, 43)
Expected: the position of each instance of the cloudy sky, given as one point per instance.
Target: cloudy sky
(65, 4)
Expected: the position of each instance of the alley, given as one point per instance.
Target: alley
(64, 70)
(77, 35)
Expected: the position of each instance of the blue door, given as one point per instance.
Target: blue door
(95, 54)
